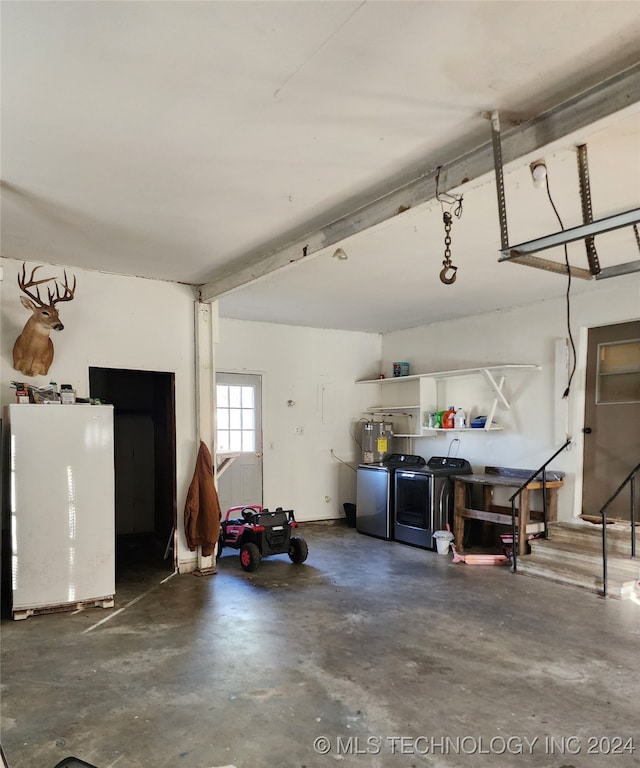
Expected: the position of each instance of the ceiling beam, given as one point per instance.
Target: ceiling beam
(597, 103)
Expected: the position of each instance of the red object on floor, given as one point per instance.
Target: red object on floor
(479, 559)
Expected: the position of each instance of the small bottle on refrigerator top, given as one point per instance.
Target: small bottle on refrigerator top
(55, 395)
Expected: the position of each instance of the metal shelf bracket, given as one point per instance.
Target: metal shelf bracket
(523, 253)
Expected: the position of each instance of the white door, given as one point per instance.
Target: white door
(239, 433)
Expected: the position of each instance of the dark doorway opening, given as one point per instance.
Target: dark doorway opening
(145, 460)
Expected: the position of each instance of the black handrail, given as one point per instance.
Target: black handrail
(631, 479)
(513, 498)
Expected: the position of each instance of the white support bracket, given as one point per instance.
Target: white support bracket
(523, 253)
(495, 387)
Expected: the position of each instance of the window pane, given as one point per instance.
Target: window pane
(235, 440)
(619, 388)
(222, 418)
(248, 441)
(223, 441)
(619, 372)
(234, 397)
(620, 357)
(247, 397)
(222, 395)
(235, 418)
(248, 418)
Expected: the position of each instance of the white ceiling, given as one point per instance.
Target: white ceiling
(182, 140)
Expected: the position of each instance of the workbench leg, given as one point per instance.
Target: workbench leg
(552, 505)
(523, 521)
(458, 520)
(487, 532)
(487, 497)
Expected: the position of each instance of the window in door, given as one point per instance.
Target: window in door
(235, 418)
(618, 372)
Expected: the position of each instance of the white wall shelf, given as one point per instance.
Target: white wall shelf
(452, 374)
(492, 428)
(429, 393)
(391, 408)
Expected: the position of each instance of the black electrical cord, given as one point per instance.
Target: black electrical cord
(568, 294)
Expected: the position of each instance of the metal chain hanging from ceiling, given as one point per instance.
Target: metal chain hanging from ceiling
(448, 273)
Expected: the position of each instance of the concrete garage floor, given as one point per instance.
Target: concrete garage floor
(374, 653)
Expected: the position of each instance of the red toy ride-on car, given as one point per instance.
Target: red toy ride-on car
(259, 532)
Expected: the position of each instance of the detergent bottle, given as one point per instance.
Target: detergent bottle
(448, 418)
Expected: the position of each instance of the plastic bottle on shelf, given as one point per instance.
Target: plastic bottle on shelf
(460, 419)
(448, 418)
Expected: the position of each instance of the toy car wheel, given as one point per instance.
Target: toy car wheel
(298, 549)
(249, 556)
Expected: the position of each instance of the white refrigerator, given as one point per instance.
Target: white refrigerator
(61, 507)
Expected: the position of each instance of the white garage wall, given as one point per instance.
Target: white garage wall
(522, 335)
(126, 322)
(316, 369)
(115, 322)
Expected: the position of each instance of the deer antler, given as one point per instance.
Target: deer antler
(30, 283)
(67, 294)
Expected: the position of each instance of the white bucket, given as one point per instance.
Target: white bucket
(443, 541)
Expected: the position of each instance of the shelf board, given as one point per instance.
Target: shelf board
(389, 408)
(426, 432)
(492, 428)
(452, 374)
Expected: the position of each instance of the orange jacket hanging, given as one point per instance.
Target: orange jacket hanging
(202, 508)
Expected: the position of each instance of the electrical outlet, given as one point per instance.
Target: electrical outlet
(299, 430)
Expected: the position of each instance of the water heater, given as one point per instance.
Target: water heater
(376, 441)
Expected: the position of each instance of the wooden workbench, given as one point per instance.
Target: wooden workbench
(504, 477)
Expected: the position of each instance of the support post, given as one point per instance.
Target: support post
(497, 161)
(587, 211)
(206, 329)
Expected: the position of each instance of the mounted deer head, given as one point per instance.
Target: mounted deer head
(33, 350)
